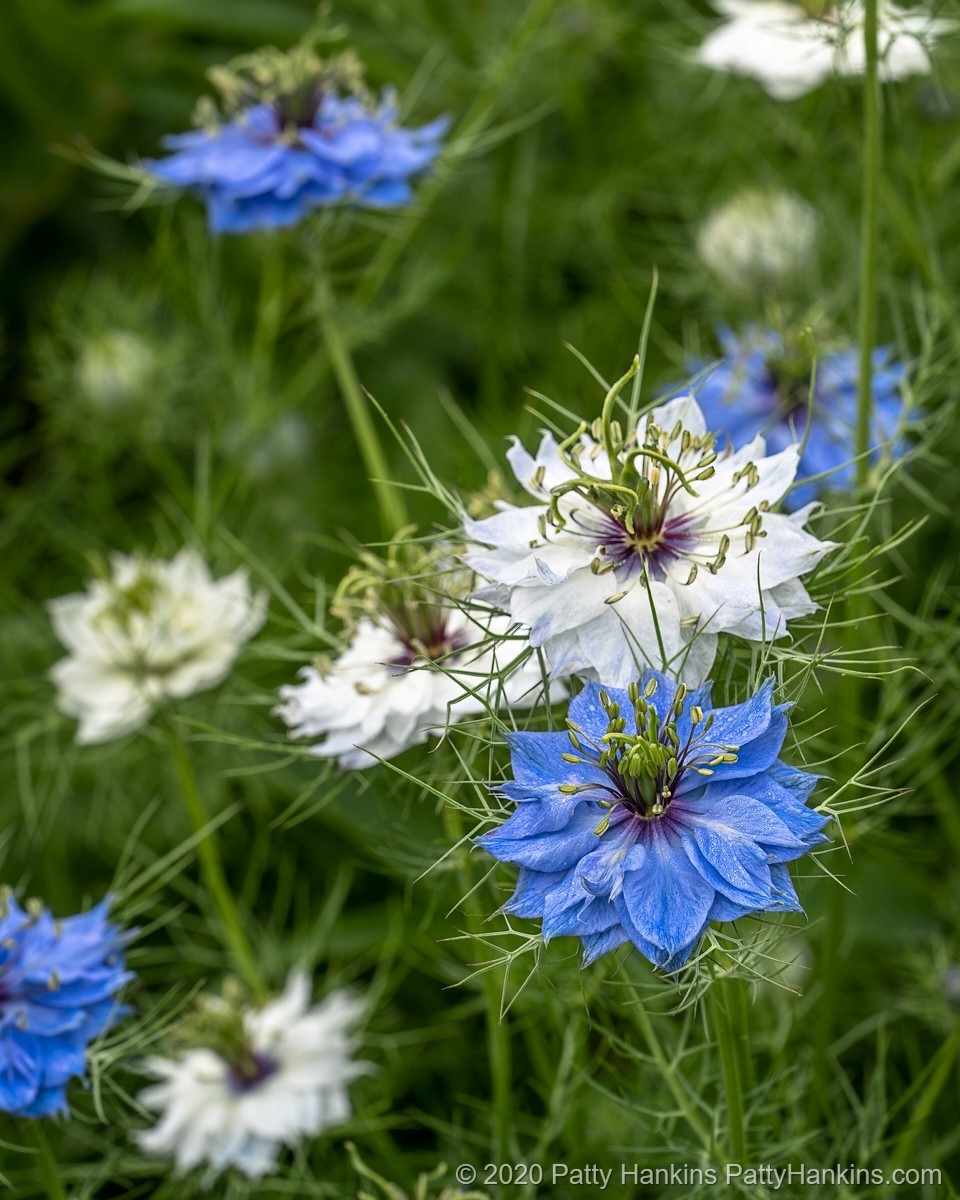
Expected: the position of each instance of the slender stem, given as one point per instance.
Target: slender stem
(389, 498)
(670, 1076)
(724, 1010)
(211, 865)
(47, 1164)
(499, 1052)
(869, 227)
(830, 961)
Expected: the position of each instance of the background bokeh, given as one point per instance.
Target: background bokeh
(159, 386)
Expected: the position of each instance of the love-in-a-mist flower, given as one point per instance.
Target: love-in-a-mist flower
(150, 631)
(653, 815)
(420, 658)
(791, 48)
(759, 239)
(645, 566)
(300, 133)
(253, 1080)
(762, 386)
(59, 981)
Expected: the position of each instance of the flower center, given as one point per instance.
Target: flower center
(251, 1070)
(426, 637)
(643, 770)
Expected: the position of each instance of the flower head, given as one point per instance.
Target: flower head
(301, 134)
(759, 239)
(791, 48)
(761, 386)
(615, 570)
(254, 1080)
(154, 630)
(59, 981)
(654, 815)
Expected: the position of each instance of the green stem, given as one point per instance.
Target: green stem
(47, 1164)
(211, 865)
(725, 1013)
(389, 498)
(499, 1051)
(669, 1075)
(869, 232)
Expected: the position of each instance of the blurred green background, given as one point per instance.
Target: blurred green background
(159, 385)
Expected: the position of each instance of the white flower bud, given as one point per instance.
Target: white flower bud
(759, 239)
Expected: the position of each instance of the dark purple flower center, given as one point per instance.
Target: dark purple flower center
(644, 770)
(651, 543)
(432, 641)
(251, 1071)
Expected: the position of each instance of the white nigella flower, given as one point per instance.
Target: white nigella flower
(759, 239)
(256, 1080)
(393, 686)
(155, 629)
(680, 547)
(790, 48)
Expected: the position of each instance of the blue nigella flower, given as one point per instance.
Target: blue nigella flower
(654, 815)
(268, 168)
(58, 986)
(755, 389)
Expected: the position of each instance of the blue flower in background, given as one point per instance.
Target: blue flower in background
(58, 987)
(267, 168)
(756, 388)
(653, 816)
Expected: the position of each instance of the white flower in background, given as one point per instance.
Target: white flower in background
(574, 568)
(155, 629)
(114, 367)
(759, 239)
(393, 686)
(258, 1080)
(790, 49)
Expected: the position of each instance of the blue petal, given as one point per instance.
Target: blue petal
(667, 899)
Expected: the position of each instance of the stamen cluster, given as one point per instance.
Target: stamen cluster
(645, 768)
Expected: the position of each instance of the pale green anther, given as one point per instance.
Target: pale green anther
(709, 724)
(616, 598)
(22, 1022)
(675, 432)
(613, 711)
(728, 758)
(749, 542)
(595, 566)
(569, 789)
(657, 809)
(764, 506)
(538, 476)
(673, 737)
(542, 526)
(602, 825)
(706, 473)
(53, 983)
(750, 517)
(604, 697)
(574, 740)
(34, 908)
(680, 696)
(703, 771)
(633, 691)
(693, 574)
(707, 459)
(650, 689)
(696, 714)
(686, 442)
(571, 758)
(671, 766)
(724, 544)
